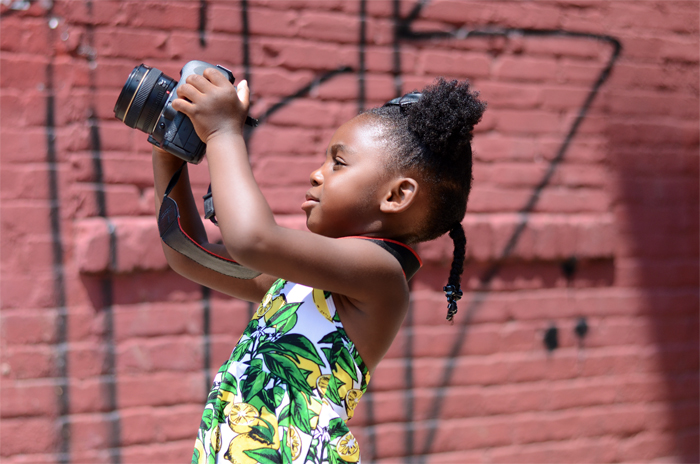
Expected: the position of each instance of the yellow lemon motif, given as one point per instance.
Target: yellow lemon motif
(308, 365)
(272, 420)
(241, 417)
(348, 449)
(315, 406)
(264, 305)
(322, 384)
(321, 303)
(345, 381)
(227, 397)
(293, 442)
(216, 439)
(200, 447)
(351, 400)
(269, 306)
(241, 443)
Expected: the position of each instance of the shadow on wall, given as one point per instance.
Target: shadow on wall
(653, 149)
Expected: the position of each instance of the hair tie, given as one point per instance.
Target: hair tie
(453, 294)
(405, 101)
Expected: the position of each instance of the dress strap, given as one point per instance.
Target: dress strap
(408, 259)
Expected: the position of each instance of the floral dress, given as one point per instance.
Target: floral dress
(288, 388)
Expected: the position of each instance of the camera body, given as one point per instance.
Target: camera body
(145, 103)
(174, 132)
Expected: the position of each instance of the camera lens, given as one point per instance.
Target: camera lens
(142, 98)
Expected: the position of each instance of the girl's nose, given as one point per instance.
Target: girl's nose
(316, 178)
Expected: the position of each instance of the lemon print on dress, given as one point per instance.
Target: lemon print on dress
(227, 397)
(216, 439)
(310, 366)
(255, 430)
(294, 442)
(242, 443)
(348, 449)
(322, 384)
(199, 457)
(269, 306)
(321, 303)
(351, 400)
(344, 381)
(315, 405)
(241, 416)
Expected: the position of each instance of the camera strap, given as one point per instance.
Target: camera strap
(172, 234)
(175, 237)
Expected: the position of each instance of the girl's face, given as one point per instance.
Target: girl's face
(346, 191)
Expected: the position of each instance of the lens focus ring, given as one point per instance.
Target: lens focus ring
(153, 106)
(145, 87)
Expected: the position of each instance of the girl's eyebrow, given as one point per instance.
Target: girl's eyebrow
(339, 147)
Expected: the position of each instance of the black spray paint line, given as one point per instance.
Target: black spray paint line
(108, 380)
(303, 91)
(61, 348)
(203, 23)
(396, 50)
(62, 386)
(481, 294)
(246, 41)
(361, 57)
(61, 383)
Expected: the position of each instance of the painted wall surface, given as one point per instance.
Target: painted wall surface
(577, 340)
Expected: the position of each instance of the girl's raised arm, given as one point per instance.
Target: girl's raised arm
(354, 268)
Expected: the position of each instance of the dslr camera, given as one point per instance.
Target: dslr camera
(145, 103)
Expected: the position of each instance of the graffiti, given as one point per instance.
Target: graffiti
(403, 33)
(63, 388)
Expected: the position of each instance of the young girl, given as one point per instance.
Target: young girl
(329, 309)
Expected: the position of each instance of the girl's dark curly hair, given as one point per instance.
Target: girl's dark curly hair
(431, 133)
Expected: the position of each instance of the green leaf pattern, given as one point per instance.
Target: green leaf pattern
(290, 385)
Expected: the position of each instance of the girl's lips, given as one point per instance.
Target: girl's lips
(310, 202)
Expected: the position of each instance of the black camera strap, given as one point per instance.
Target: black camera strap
(175, 237)
(172, 234)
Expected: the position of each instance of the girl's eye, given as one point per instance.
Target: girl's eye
(337, 163)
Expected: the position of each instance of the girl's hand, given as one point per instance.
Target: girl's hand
(213, 104)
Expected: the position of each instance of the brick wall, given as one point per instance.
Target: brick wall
(584, 214)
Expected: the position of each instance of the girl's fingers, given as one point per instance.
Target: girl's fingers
(215, 76)
(188, 91)
(182, 106)
(199, 83)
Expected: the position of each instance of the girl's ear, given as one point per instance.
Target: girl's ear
(401, 195)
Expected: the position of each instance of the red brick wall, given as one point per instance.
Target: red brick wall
(107, 355)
